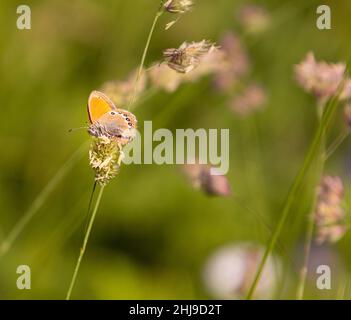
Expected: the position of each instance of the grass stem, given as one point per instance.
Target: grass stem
(307, 248)
(147, 45)
(335, 144)
(310, 225)
(40, 200)
(85, 242)
(312, 152)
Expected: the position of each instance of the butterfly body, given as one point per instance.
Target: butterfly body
(108, 120)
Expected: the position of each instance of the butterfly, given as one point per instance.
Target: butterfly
(108, 120)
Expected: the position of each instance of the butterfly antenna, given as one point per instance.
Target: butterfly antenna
(75, 129)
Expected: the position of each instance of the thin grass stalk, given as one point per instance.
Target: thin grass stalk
(147, 45)
(336, 144)
(89, 205)
(261, 219)
(325, 154)
(40, 200)
(308, 240)
(148, 94)
(326, 119)
(59, 236)
(85, 242)
(307, 248)
(310, 225)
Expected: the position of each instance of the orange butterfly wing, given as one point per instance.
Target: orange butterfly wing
(98, 105)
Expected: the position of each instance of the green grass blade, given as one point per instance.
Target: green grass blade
(40, 199)
(311, 155)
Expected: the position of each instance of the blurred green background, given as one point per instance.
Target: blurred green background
(153, 232)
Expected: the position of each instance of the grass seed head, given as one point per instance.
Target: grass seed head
(250, 100)
(232, 63)
(329, 213)
(322, 79)
(254, 19)
(104, 155)
(178, 6)
(201, 178)
(188, 56)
